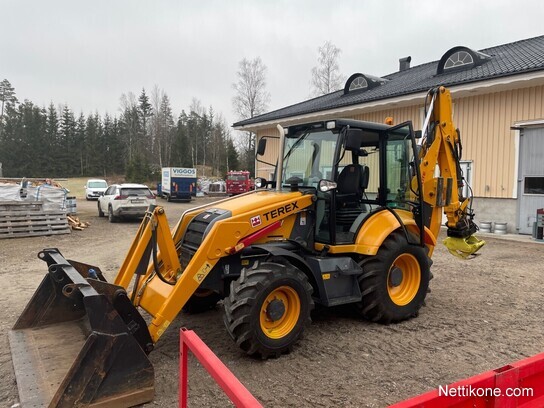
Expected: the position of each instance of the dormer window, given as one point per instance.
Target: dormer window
(459, 59)
(362, 82)
(358, 83)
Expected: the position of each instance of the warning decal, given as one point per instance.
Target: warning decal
(203, 272)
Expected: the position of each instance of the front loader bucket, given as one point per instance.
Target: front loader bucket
(79, 342)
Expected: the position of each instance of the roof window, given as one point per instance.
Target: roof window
(460, 59)
(362, 82)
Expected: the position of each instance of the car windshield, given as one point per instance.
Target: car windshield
(135, 192)
(98, 184)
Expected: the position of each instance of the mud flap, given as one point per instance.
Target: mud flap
(79, 342)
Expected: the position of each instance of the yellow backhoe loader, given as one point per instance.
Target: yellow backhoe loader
(352, 217)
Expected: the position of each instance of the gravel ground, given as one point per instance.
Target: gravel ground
(481, 314)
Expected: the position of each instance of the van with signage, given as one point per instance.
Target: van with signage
(178, 183)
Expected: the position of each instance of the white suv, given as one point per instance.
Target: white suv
(125, 200)
(94, 188)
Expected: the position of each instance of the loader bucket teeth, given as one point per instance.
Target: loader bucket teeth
(71, 346)
(464, 248)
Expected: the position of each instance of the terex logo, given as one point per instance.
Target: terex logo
(184, 172)
(286, 209)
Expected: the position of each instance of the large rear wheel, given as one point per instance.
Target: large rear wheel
(268, 308)
(394, 282)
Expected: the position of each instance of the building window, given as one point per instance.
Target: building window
(362, 82)
(534, 185)
(358, 83)
(458, 59)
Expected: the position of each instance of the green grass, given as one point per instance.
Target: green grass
(76, 185)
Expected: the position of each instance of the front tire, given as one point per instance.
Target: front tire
(100, 212)
(268, 309)
(394, 282)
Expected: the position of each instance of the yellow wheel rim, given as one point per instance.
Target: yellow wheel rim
(403, 279)
(280, 312)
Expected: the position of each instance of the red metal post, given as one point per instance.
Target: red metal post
(234, 389)
(183, 374)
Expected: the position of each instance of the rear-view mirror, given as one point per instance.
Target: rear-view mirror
(354, 140)
(261, 147)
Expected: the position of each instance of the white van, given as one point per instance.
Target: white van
(94, 188)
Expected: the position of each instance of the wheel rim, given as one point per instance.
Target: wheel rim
(280, 312)
(403, 279)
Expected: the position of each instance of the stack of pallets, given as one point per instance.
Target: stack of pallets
(28, 219)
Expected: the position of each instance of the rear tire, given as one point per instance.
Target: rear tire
(268, 309)
(111, 217)
(394, 282)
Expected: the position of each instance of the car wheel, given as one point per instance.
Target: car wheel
(100, 212)
(111, 217)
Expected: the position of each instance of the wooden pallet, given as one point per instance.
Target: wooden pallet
(21, 206)
(16, 224)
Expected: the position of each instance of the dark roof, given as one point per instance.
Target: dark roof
(509, 59)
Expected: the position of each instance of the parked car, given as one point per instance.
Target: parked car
(125, 200)
(94, 188)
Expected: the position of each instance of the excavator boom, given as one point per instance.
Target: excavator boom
(441, 146)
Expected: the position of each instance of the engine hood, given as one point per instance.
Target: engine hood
(263, 201)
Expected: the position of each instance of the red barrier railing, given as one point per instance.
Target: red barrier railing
(519, 385)
(235, 390)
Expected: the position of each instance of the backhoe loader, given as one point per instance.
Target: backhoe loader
(351, 218)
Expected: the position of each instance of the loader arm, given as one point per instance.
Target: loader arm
(441, 147)
(152, 273)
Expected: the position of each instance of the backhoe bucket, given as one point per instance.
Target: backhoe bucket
(80, 343)
(463, 247)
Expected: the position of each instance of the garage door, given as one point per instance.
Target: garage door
(531, 177)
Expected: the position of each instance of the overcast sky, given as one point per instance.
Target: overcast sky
(88, 53)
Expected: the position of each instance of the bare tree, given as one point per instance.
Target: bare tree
(130, 122)
(162, 125)
(326, 76)
(156, 99)
(251, 99)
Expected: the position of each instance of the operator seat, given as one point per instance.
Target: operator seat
(351, 184)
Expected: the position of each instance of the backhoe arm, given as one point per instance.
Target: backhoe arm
(441, 147)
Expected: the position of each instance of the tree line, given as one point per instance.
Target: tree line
(146, 135)
(55, 142)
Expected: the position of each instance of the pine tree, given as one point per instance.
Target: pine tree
(7, 96)
(68, 148)
(145, 112)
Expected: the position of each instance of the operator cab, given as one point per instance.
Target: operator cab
(354, 168)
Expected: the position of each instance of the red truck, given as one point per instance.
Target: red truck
(239, 182)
